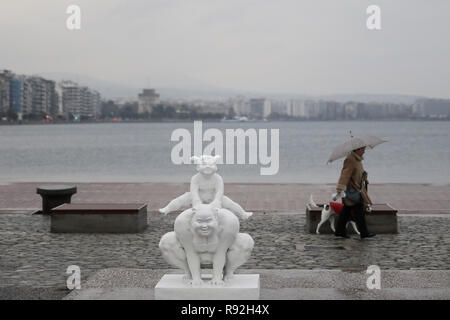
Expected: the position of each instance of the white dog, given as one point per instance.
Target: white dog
(329, 213)
(206, 187)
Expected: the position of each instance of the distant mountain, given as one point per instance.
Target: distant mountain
(110, 90)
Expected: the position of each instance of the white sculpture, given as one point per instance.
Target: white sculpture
(203, 235)
(206, 187)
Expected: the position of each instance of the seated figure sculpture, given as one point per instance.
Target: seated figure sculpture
(206, 187)
(206, 235)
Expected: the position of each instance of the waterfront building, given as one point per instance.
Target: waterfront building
(260, 108)
(20, 97)
(241, 105)
(279, 107)
(5, 77)
(431, 108)
(92, 106)
(351, 111)
(300, 108)
(71, 98)
(25, 95)
(147, 100)
(59, 99)
(79, 101)
(223, 110)
(44, 99)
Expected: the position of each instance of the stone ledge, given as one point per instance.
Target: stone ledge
(281, 284)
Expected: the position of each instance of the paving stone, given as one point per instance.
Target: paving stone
(32, 257)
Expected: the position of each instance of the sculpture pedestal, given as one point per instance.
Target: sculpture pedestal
(241, 287)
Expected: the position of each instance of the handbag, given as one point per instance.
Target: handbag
(353, 195)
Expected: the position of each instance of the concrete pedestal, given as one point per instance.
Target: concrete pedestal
(241, 287)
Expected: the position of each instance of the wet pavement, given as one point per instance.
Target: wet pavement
(33, 261)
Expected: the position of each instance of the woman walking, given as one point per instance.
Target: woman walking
(353, 181)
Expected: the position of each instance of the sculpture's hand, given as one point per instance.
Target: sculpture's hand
(216, 204)
(196, 282)
(228, 277)
(247, 215)
(195, 203)
(164, 211)
(216, 282)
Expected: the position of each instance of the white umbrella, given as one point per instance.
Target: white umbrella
(344, 149)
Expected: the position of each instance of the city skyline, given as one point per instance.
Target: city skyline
(25, 97)
(261, 47)
(31, 97)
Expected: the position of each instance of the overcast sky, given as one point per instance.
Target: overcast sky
(277, 46)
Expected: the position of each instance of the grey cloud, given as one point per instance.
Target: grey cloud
(304, 47)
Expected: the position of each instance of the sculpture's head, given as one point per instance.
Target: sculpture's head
(206, 164)
(205, 220)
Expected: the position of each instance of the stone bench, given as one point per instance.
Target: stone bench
(55, 195)
(382, 219)
(99, 218)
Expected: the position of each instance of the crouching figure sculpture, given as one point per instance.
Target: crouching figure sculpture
(206, 234)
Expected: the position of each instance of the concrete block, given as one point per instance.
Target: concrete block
(99, 218)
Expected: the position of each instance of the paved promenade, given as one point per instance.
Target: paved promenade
(33, 261)
(407, 198)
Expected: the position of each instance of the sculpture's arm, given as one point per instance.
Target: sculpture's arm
(195, 191)
(218, 265)
(217, 202)
(193, 261)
